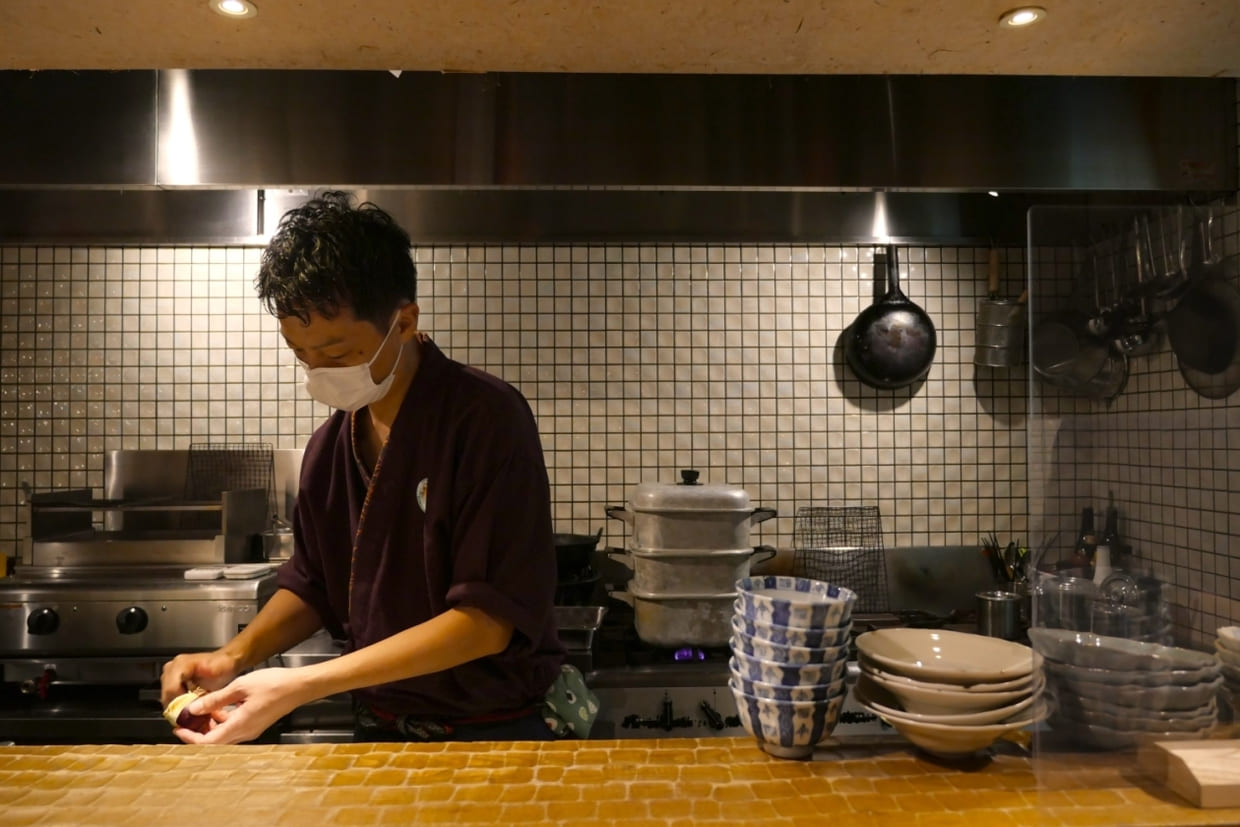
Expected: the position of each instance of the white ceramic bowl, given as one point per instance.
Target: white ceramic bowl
(956, 740)
(881, 702)
(1066, 700)
(787, 674)
(1231, 674)
(783, 728)
(1229, 638)
(1099, 651)
(1143, 697)
(947, 656)
(766, 650)
(822, 637)
(808, 692)
(1131, 677)
(1226, 656)
(1103, 737)
(925, 699)
(1023, 682)
(794, 601)
(1128, 722)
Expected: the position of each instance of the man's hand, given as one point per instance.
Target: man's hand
(245, 708)
(210, 670)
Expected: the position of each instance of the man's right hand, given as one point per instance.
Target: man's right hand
(210, 670)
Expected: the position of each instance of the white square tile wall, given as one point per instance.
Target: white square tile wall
(638, 360)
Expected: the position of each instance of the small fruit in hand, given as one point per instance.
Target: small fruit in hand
(177, 712)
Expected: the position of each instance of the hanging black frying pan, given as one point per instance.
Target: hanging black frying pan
(891, 343)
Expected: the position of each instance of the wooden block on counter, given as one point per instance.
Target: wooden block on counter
(1206, 773)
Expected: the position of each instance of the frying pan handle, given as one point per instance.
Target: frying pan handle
(893, 273)
(992, 273)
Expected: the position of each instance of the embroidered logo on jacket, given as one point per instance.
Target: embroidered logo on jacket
(421, 495)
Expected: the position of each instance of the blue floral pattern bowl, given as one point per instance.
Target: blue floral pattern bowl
(806, 692)
(787, 674)
(794, 601)
(787, 729)
(795, 655)
(791, 635)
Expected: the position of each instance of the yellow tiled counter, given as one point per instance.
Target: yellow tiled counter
(667, 782)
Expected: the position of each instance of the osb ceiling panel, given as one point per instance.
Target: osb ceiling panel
(1085, 37)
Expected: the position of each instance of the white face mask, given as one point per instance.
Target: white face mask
(350, 388)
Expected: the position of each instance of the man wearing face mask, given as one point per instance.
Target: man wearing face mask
(422, 528)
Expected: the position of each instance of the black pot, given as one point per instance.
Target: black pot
(574, 553)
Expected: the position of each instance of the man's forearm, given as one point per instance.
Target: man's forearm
(457, 636)
(284, 621)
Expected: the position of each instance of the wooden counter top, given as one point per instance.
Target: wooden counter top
(665, 782)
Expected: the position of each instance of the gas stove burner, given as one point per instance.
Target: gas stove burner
(688, 653)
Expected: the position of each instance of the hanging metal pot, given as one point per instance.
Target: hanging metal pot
(1204, 325)
(1001, 332)
(891, 343)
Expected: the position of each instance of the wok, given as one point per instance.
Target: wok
(573, 552)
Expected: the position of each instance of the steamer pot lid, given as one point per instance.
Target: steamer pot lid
(690, 495)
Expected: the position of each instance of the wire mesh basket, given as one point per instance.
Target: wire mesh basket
(843, 545)
(215, 467)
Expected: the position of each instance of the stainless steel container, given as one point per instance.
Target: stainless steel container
(689, 515)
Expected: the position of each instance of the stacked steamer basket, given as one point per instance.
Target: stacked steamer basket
(690, 543)
(949, 693)
(1115, 693)
(1227, 647)
(789, 643)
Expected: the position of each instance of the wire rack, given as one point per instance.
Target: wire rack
(843, 545)
(215, 467)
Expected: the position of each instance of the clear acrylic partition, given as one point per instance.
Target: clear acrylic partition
(1133, 413)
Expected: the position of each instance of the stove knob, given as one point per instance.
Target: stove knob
(131, 621)
(43, 622)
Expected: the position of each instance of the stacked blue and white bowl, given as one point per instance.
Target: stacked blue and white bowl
(790, 638)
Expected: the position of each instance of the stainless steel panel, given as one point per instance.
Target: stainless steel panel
(80, 129)
(139, 474)
(276, 128)
(181, 616)
(130, 216)
(111, 549)
(262, 129)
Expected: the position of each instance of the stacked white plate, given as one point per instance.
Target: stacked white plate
(1115, 693)
(949, 693)
(1227, 648)
(790, 639)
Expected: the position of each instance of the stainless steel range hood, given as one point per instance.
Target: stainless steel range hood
(567, 157)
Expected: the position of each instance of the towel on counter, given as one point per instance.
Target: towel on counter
(570, 707)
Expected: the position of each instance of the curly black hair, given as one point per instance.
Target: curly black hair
(327, 255)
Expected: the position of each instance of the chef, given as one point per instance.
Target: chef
(422, 526)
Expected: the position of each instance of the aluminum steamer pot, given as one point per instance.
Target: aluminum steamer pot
(681, 620)
(668, 574)
(689, 515)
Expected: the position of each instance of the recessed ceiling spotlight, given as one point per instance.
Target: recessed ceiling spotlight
(993, 193)
(233, 8)
(1022, 16)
